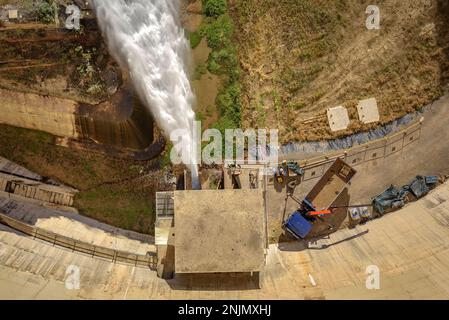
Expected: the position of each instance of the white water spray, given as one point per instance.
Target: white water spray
(146, 38)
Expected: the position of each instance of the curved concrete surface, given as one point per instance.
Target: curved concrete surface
(67, 222)
(410, 247)
(48, 215)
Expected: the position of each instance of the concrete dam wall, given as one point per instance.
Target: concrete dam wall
(122, 123)
(32, 111)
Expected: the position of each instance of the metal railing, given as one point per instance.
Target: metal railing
(114, 256)
(358, 155)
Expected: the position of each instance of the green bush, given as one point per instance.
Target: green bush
(218, 29)
(218, 32)
(214, 8)
(228, 101)
(226, 62)
(46, 12)
(195, 39)
(213, 66)
(225, 123)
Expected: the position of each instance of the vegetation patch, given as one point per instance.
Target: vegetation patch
(215, 8)
(57, 62)
(88, 73)
(46, 12)
(195, 39)
(218, 29)
(111, 190)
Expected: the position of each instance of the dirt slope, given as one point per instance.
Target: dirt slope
(302, 57)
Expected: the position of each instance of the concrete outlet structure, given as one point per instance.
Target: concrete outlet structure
(122, 127)
(213, 231)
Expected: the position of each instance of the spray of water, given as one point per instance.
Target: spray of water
(146, 38)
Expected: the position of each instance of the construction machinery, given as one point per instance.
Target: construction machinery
(286, 170)
(318, 203)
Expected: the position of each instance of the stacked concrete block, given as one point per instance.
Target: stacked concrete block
(339, 117)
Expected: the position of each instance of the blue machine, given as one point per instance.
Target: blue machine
(298, 226)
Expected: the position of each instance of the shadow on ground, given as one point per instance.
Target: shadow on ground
(215, 282)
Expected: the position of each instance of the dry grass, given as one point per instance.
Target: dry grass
(302, 57)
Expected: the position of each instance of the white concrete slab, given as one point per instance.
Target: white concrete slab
(13, 14)
(338, 118)
(368, 111)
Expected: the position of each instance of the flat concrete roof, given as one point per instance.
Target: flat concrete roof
(219, 231)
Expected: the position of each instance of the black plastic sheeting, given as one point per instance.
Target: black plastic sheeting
(340, 143)
(352, 140)
(394, 198)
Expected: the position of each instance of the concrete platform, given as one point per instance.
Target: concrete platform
(219, 231)
(397, 163)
